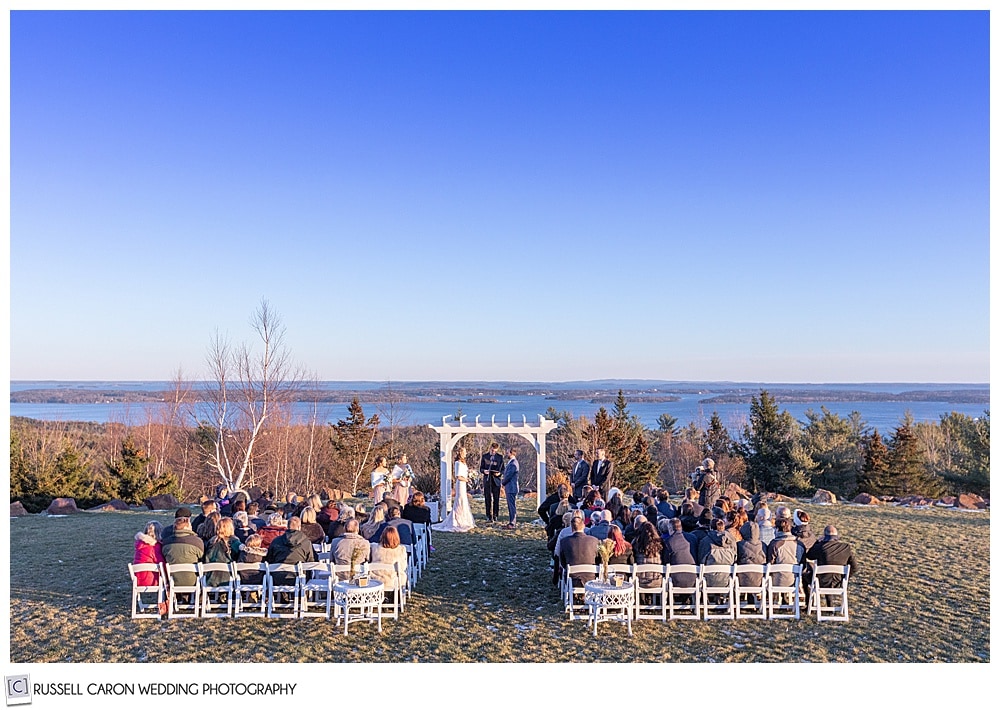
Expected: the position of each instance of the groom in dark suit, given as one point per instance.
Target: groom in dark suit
(601, 472)
(491, 468)
(578, 476)
(510, 489)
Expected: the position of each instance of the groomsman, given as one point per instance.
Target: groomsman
(578, 476)
(601, 473)
(510, 487)
(491, 468)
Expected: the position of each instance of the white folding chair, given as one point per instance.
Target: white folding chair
(390, 608)
(315, 589)
(422, 546)
(717, 592)
(784, 591)
(285, 606)
(250, 598)
(656, 609)
(412, 569)
(751, 599)
(683, 610)
(829, 603)
(216, 599)
(142, 607)
(572, 591)
(176, 609)
(626, 571)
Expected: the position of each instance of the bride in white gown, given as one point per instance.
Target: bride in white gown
(460, 517)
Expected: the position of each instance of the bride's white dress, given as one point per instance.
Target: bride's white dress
(460, 518)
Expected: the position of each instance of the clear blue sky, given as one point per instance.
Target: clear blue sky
(520, 196)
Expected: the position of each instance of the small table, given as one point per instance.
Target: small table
(602, 597)
(367, 600)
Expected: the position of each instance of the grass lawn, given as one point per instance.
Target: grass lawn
(922, 594)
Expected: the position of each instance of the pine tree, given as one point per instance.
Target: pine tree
(353, 438)
(831, 446)
(129, 477)
(767, 447)
(874, 477)
(624, 438)
(908, 474)
(718, 442)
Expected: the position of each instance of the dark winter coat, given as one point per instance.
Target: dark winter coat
(678, 552)
(184, 547)
(717, 548)
(290, 549)
(750, 551)
(831, 551)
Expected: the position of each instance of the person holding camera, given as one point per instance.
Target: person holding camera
(707, 485)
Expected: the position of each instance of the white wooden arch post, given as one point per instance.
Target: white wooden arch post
(452, 431)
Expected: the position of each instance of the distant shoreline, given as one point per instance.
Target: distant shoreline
(483, 393)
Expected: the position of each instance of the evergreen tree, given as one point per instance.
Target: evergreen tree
(832, 449)
(967, 441)
(624, 438)
(874, 477)
(767, 447)
(130, 477)
(667, 424)
(908, 474)
(718, 442)
(353, 439)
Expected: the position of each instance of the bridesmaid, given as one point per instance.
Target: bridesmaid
(402, 476)
(380, 478)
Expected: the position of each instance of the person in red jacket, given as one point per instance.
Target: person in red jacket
(148, 551)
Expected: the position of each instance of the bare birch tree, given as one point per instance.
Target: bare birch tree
(247, 386)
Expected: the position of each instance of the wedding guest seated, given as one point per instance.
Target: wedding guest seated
(783, 549)
(404, 527)
(183, 547)
(342, 548)
(624, 518)
(765, 521)
(652, 514)
(678, 551)
(327, 515)
(614, 502)
(663, 505)
(359, 514)
(389, 502)
(622, 554)
(148, 550)
(256, 520)
(252, 551)
(546, 506)
(206, 531)
(600, 524)
(276, 526)
(648, 549)
(290, 548)
(417, 511)
(590, 501)
(224, 548)
(578, 548)
(734, 523)
(637, 506)
(632, 529)
(207, 507)
(750, 551)
(241, 525)
(554, 541)
(688, 519)
(310, 528)
(389, 550)
(374, 525)
(556, 514)
(801, 530)
(338, 527)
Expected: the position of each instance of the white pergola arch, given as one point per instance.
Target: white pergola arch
(452, 431)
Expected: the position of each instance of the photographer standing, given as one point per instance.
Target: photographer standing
(707, 483)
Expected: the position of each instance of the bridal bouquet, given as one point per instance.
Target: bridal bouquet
(407, 474)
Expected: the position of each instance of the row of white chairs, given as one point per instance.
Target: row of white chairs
(284, 590)
(717, 592)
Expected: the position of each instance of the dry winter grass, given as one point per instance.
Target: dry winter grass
(922, 595)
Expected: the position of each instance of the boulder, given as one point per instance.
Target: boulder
(968, 501)
(162, 502)
(735, 493)
(17, 510)
(255, 493)
(947, 501)
(866, 499)
(824, 497)
(334, 494)
(62, 506)
(111, 506)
